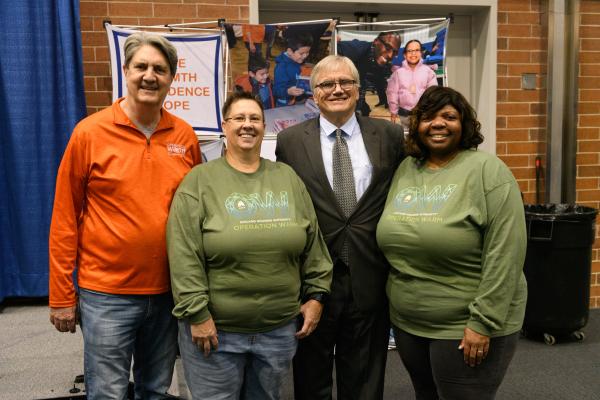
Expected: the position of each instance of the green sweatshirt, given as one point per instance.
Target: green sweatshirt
(456, 240)
(244, 248)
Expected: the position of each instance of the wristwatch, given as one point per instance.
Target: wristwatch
(320, 297)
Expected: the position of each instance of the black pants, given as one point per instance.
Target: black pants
(360, 341)
(437, 369)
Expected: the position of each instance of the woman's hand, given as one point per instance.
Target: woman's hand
(393, 118)
(204, 335)
(475, 347)
(311, 312)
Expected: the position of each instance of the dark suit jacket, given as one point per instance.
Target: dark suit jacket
(300, 147)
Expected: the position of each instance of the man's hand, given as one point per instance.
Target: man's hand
(294, 91)
(64, 319)
(311, 311)
(393, 118)
(475, 347)
(204, 335)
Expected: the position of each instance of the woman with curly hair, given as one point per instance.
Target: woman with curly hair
(453, 230)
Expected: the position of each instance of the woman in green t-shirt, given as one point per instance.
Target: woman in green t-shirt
(453, 230)
(246, 259)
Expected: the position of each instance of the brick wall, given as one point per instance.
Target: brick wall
(521, 114)
(588, 125)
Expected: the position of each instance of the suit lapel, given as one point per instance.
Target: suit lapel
(312, 145)
(372, 143)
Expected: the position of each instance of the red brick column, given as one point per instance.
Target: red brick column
(521, 114)
(588, 125)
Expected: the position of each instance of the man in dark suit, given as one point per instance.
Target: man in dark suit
(346, 162)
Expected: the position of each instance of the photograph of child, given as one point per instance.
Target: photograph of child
(288, 66)
(274, 62)
(257, 81)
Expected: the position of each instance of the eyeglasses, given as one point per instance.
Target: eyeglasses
(413, 51)
(388, 47)
(240, 119)
(329, 86)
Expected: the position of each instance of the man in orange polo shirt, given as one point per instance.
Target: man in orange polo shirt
(113, 191)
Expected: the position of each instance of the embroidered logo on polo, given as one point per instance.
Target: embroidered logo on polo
(174, 149)
(256, 211)
(422, 202)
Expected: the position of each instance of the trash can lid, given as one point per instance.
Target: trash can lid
(550, 212)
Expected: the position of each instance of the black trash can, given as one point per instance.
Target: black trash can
(558, 268)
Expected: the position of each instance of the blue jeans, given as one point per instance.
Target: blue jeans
(118, 327)
(246, 365)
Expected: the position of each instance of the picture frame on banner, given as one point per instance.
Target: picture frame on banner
(362, 47)
(269, 59)
(197, 92)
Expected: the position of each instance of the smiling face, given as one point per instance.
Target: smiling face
(244, 128)
(260, 76)
(299, 55)
(338, 105)
(148, 77)
(441, 132)
(412, 53)
(386, 48)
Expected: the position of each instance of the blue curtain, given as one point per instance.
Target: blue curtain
(41, 100)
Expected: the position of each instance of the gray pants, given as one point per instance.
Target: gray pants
(438, 372)
(405, 122)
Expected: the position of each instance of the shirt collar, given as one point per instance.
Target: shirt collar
(329, 129)
(120, 118)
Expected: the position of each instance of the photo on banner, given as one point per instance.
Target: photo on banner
(392, 79)
(274, 62)
(196, 94)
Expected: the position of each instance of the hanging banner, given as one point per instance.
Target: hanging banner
(196, 94)
(395, 66)
(274, 62)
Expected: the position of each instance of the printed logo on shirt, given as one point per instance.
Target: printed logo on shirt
(174, 149)
(421, 202)
(255, 211)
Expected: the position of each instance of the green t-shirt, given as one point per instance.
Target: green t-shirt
(455, 238)
(244, 248)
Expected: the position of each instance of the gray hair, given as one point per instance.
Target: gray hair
(140, 39)
(332, 62)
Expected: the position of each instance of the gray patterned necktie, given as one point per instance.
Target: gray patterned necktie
(343, 181)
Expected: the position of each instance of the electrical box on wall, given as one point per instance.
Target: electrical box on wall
(528, 81)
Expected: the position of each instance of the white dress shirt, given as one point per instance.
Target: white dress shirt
(361, 165)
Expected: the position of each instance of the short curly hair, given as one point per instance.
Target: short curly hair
(434, 99)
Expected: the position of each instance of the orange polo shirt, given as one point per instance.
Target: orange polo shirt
(113, 192)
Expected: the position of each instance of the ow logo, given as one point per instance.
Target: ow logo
(416, 200)
(253, 206)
